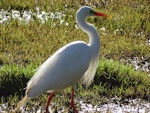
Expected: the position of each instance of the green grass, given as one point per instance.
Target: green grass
(14, 78)
(119, 79)
(112, 79)
(34, 42)
(25, 46)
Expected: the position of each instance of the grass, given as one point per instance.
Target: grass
(112, 79)
(118, 79)
(13, 79)
(35, 41)
(25, 46)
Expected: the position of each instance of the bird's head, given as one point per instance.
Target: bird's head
(88, 11)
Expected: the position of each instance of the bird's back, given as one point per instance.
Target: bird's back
(64, 68)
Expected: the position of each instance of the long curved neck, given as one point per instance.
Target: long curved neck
(94, 40)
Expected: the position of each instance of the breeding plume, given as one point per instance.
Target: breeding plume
(75, 61)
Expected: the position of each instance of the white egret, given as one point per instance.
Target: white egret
(76, 60)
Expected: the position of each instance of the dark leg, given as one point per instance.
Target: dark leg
(72, 102)
(49, 99)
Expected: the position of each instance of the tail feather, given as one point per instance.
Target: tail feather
(22, 103)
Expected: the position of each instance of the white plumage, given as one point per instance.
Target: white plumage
(64, 68)
(75, 61)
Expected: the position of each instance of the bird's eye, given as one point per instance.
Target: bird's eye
(92, 12)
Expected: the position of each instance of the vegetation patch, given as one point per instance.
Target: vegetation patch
(112, 79)
(13, 79)
(121, 80)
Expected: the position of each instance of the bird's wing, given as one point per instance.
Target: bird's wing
(64, 68)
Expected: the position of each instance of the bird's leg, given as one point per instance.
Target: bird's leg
(49, 99)
(72, 101)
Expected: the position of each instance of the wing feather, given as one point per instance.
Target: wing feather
(64, 68)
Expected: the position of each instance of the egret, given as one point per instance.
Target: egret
(76, 60)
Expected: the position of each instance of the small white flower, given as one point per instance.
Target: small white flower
(103, 29)
(66, 23)
(61, 22)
